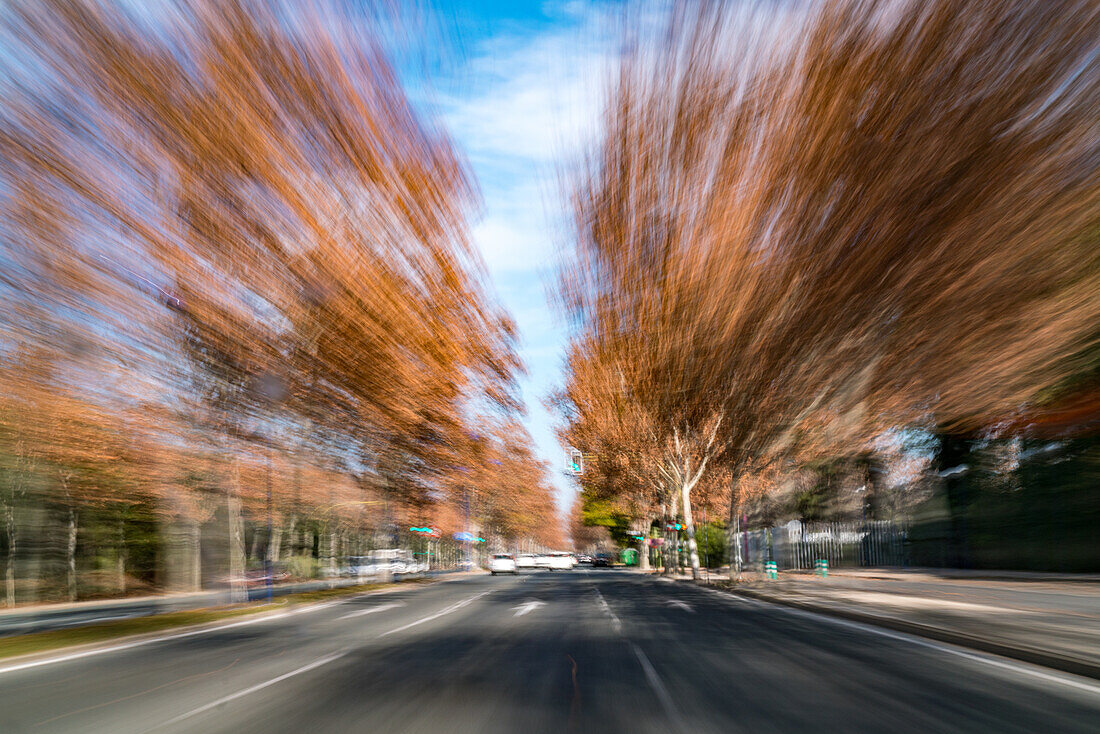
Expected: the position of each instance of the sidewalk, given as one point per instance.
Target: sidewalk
(1048, 619)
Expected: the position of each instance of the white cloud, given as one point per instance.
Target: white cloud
(527, 102)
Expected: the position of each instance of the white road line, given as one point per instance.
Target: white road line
(315, 664)
(615, 623)
(437, 615)
(658, 687)
(260, 619)
(682, 605)
(138, 643)
(1067, 679)
(525, 608)
(372, 610)
(252, 689)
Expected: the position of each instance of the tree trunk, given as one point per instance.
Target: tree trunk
(734, 543)
(70, 554)
(13, 539)
(331, 562)
(275, 543)
(689, 527)
(253, 548)
(643, 552)
(120, 557)
(237, 591)
(70, 546)
(196, 556)
(952, 461)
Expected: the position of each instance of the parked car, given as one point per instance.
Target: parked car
(503, 563)
(525, 561)
(542, 560)
(601, 560)
(584, 559)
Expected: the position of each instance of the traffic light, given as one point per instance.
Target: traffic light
(576, 462)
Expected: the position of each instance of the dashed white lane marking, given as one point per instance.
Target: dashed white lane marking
(447, 610)
(372, 610)
(658, 687)
(671, 712)
(615, 623)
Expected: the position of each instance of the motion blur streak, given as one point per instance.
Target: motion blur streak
(829, 293)
(244, 335)
(843, 257)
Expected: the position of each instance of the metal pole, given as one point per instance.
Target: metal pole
(706, 556)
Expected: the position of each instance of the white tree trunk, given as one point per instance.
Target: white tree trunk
(733, 542)
(332, 557)
(70, 554)
(195, 548)
(13, 539)
(689, 526)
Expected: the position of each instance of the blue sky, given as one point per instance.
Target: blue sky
(519, 91)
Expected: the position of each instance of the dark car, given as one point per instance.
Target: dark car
(601, 560)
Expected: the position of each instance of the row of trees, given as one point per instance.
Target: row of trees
(812, 236)
(239, 294)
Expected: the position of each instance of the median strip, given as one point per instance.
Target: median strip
(136, 631)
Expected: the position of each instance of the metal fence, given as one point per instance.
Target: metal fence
(799, 545)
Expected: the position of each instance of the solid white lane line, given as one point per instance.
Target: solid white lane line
(372, 610)
(138, 643)
(252, 689)
(447, 610)
(1066, 679)
(259, 619)
(658, 687)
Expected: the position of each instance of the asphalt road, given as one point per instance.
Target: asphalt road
(582, 651)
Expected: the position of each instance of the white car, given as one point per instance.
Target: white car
(502, 563)
(561, 562)
(542, 560)
(525, 560)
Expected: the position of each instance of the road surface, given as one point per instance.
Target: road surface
(584, 651)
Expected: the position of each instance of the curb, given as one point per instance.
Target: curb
(1025, 654)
